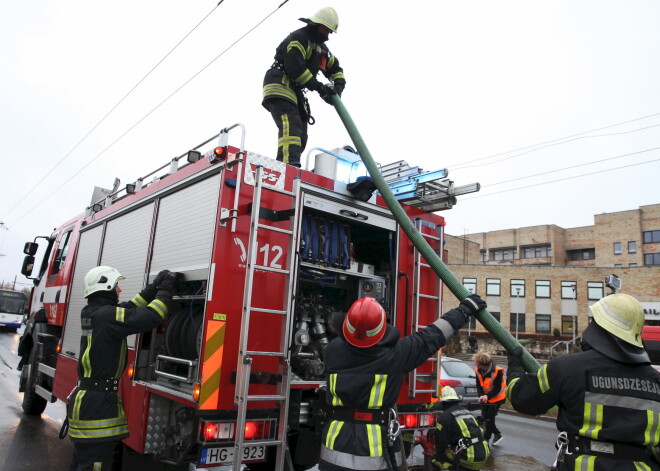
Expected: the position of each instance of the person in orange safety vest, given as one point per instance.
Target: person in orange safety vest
(491, 388)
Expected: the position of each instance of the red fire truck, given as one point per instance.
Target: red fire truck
(269, 255)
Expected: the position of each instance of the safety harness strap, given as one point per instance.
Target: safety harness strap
(587, 446)
(359, 416)
(98, 384)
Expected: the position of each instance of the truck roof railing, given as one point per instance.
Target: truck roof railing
(191, 156)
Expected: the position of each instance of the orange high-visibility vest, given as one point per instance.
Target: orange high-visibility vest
(487, 384)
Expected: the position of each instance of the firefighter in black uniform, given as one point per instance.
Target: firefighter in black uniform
(608, 395)
(459, 441)
(95, 414)
(297, 61)
(365, 371)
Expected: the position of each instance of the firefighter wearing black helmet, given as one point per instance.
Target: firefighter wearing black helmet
(298, 59)
(95, 415)
(365, 370)
(608, 395)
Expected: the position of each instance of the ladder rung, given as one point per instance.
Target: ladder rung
(428, 236)
(275, 229)
(273, 270)
(264, 354)
(262, 442)
(426, 265)
(424, 390)
(268, 311)
(428, 296)
(268, 397)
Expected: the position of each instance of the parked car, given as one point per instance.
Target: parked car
(460, 376)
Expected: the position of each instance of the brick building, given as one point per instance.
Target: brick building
(541, 278)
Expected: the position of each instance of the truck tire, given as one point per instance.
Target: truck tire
(33, 404)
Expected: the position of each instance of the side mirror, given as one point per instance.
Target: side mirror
(28, 265)
(30, 248)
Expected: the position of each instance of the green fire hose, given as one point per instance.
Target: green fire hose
(487, 320)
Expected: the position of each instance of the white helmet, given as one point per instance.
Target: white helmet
(622, 316)
(449, 394)
(325, 16)
(101, 279)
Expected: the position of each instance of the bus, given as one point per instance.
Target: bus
(12, 309)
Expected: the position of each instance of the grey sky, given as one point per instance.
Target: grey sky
(439, 84)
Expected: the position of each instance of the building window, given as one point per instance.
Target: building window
(542, 323)
(652, 259)
(594, 290)
(520, 326)
(542, 288)
(497, 255)
(527, 252)
(484, 256)
(470, 284)
(632, 264)
(617, 248)
(651, 236)
(506, 255)
(471, 323)
(581, 254)
(568, 290)
(632, 246)
(518, 288)
(589, 254)
(496, 315)
(618, 265)
(492, 286)
(568, 324)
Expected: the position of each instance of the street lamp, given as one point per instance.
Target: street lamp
(517, 309)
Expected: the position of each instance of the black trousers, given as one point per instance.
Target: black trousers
(95, 456)
(291, 121)
(488, 414)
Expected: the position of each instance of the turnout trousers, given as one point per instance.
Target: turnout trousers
(93, 456)
(291, 121)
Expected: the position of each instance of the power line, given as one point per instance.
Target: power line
(121, 136)
(556, 144)
(49, 172)
(562, 179)
(561, 138)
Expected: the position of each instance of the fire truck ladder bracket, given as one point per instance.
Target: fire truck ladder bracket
(245, 357)
(417, 295)
(430, 191)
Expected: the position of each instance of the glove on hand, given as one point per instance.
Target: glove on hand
(472, 304)
(326, 93)
(167, 283)
(515, 366)
(159, 278)
(339, 87)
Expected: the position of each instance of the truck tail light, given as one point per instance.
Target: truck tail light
(197, 389)
(416, 420)
(215, 431)
(410, 420)
(250, 429)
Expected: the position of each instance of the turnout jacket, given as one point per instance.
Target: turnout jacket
(371, 378)
(96, 416)
(456, 423)
(492, 384)
(298, 59)
(612, 407)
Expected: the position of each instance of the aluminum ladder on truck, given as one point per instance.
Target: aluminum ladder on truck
(243, 371)
(417, 295)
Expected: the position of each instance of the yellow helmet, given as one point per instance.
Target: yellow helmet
(448, 394)
(622, 316)
(101, 279)
(325, 16)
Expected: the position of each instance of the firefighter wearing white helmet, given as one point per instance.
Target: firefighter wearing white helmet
(608, 395)
(298, 60)
(457, 441)
(95, 417)
(365, 370)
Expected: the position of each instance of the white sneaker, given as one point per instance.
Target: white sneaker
(497, 439)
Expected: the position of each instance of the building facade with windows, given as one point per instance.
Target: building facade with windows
(541, 278)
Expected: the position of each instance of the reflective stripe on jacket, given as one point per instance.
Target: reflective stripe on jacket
(487, 383)
(455, 423)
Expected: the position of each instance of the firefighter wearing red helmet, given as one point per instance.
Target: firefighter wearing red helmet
(608, 395)
(95, 416)
(365, 371)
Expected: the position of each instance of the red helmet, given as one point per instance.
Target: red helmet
(364, 325)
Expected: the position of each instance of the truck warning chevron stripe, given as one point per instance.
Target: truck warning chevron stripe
(212, 366)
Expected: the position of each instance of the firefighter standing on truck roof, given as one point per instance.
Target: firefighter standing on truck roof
(457, 442)
(297, 61)
(365, 372)
(491, 388)
(95, 414)
(608, 395)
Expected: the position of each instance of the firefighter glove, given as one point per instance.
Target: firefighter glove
(167, 283)
(339, 87)
(515, 366)
(159, 278)
(472, 304)
(326, 93)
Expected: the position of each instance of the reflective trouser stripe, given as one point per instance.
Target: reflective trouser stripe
(333, 432)
(639, 466)
(362, 463)
(336, 401)
(592, 421)
(375, 438)
(585, 463)
(377, 391)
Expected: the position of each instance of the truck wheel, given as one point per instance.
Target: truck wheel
(33, 404)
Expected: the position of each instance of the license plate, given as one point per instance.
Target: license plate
(471, 391)
(225, 455)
